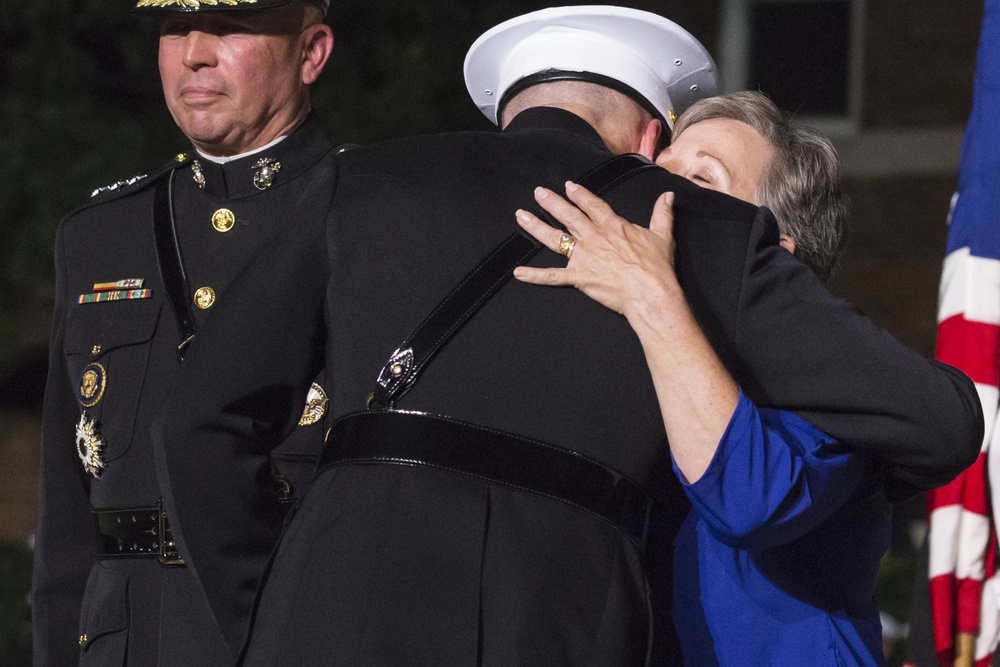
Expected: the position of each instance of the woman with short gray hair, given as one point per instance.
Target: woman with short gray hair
(777, 561)
(801, 185)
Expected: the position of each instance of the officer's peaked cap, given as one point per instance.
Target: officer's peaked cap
(647, 57)
(216, 5)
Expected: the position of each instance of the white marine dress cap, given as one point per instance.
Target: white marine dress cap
(650, 58)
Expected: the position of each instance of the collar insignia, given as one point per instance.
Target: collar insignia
(266, 170)
(198, 174)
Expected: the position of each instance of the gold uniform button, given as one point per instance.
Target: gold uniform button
(96, 350)
(223, 220)
(83, 639)
(204, 297)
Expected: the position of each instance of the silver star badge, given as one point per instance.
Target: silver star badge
(89, 445)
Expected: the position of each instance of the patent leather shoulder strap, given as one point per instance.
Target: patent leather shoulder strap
(171, 264)
(406, 364)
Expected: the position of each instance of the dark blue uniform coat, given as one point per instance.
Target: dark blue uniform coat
(408, 565)
(132, 610)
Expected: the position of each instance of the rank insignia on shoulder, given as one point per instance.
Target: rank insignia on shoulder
(92, 383)
(89, 445)
(316, 402)
(266, 170)
(120, 184)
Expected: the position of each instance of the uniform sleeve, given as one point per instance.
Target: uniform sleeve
(774, 477)
(802, 350)
(65, 538)
(791, 345)
(239, 393)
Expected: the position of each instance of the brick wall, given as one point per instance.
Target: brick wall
(919, 60)
(892, 265)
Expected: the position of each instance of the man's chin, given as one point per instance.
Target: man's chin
(205, 134)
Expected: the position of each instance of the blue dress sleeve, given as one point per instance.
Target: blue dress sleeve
(773, 478)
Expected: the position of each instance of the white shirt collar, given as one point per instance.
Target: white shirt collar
(224, 160)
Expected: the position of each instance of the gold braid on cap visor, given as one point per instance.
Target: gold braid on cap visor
(192, 4)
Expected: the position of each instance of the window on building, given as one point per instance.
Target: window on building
(804, 54)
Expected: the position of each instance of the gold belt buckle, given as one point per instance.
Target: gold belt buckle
(169, 557)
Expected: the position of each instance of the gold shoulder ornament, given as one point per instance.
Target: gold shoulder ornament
(191, 4)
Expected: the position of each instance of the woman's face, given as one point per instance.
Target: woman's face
(720, 154)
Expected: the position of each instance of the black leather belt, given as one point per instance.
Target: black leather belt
(143, 532)
(420, 439)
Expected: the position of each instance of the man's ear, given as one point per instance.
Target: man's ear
(317, 46)
(787, 242)
(650, 136)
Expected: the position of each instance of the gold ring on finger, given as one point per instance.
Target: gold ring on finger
(566, 244)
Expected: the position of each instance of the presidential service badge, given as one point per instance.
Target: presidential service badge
(89, 445)
(92, 383)
(316, 402)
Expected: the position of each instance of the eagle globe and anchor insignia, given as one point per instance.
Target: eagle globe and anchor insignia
(89, 445)
(265, 171)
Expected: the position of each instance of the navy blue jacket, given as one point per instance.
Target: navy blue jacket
(115, 362)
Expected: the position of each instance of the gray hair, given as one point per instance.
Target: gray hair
(801, 186)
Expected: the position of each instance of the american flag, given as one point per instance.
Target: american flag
(964, 580)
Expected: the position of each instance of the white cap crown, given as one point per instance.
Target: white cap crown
(651, 58)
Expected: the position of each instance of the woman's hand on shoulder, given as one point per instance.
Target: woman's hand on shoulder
(623, 266)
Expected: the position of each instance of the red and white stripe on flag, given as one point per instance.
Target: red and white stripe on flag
(964, 584)
(962, 568)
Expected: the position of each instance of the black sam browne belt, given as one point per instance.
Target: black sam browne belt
(420, 439)
(142, 532)
(383, 434)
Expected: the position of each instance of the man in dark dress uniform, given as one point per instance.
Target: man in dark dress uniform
(140, 269)
(510, 531)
